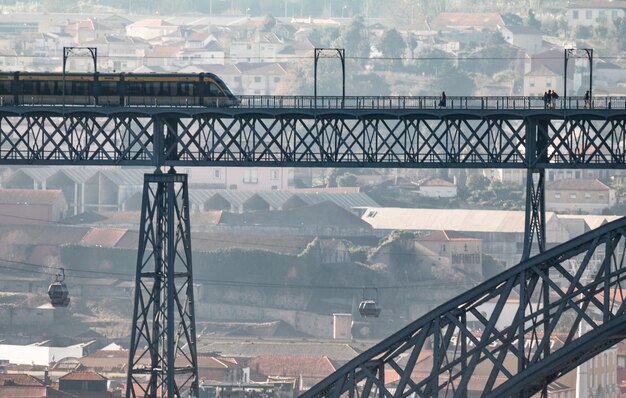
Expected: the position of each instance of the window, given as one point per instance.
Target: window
(575, 14)
(572, 195)
(250, 176)
(274, 175)
(587, 195)
(216, 173)
(531, 82)
(276, 79)
(557, 195)
(588, 14)
(257, 79)
(549, 83)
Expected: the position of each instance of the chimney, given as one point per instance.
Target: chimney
(46, 378)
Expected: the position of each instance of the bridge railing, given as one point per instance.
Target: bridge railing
(333, 102)
(425, 102)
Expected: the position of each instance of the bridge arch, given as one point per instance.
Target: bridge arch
(569, 306)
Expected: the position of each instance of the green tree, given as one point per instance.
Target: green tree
(601, 32)
(454, 82)
(512, 19)
(497, 39)
(268, 23)
(491, 266)
(432, 61)
(532, 21)
(347, 180)
(392, 45)
(355, 38)
(583, 32)
(477, 182)
(620, 33)
(367, 84)
(327, 36)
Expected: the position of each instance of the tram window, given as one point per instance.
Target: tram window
(186, 89)
(28, 87)
(214, 90)
(81, 88)
(151, 88)
(135, 88)
(5, 87)
(169, 88)
(108, 88)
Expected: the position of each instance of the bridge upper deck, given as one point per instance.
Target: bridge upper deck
(427, 102)
(348, 104)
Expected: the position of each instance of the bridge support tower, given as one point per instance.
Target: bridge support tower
(163, 358)
(535, 219)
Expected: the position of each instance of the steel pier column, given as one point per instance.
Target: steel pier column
(535, 219)
(162, 358)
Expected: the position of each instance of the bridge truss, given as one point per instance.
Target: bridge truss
(568, 306)
(363, 134)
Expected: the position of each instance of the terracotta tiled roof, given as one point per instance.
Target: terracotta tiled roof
(447, 236)
(19, 379)
(164, 51)
(44, 234)
(154, 23)
(86, 376)
(103, 237)
(220, 241)
(215, 363)
(30, 196)
(435, 182)
(578, 185)
(461, 20)
(293, 366)
(611, 4)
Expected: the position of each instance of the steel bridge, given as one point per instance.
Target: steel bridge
(381, 132)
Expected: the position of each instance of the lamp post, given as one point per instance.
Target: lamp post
(330, 53)
(569, 52)
(78, 51)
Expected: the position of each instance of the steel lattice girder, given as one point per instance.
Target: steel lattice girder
(383, 138)
(573, 291)
(163, 357)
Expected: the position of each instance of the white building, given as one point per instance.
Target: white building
(525, 37)
(242, 178)
(437, 188)
(588, 196)
(148, 29)
(39, 353)
(595, 13)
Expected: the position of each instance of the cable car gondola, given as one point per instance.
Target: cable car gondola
(57, 291)
(369, 306)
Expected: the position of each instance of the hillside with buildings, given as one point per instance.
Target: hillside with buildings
(282, 257)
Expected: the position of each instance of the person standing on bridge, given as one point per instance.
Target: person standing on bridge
(553, 97)
(587, 99)
(442, 100)
(546, 99)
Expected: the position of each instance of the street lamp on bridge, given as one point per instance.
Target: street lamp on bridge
(568, 53)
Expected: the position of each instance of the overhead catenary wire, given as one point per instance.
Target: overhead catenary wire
(39, 270)
(303, 57)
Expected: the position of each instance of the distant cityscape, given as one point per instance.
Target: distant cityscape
(284, 256)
